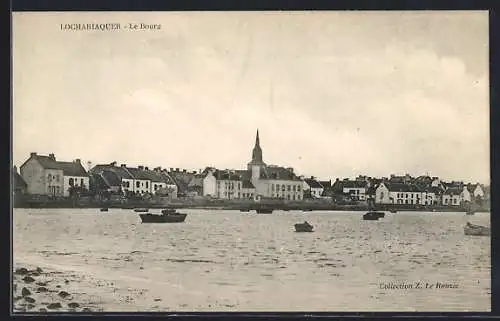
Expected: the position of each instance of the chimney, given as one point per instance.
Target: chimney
(177, 169)
(183, 170)
(141, 167)
(171, 169)
(78, 161)
(146, 168)
(52, 156)
(32, 154)
(123, 165)
(336, 179)
(312, 177)
(113, 164)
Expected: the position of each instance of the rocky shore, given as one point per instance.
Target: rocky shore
(40, 291)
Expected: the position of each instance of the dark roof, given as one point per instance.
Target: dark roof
(68, 168)
(247, 184)
(111, 178)
(18, 180)
(118, 170)
(166, 177)
(278, 173)
(326, 184)
(354, 184)
(226, 175)
(139, 173)
(100, 182)
(453, 191)
(400, 187)
(313, 183)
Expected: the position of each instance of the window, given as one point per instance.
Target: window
(57, 178)
(289, 188)
(293, 196)
(277, 187)
(298, 188)
(137, 184)
(283, 188)
(294, 187)
(147, 184)
(156, 187)
(272, 187)
(71, 181)
(81, 180)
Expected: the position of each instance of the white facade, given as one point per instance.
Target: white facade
(478, 191)
(465, 196)
(383, 195)
(76, 181)
(357, 192)
(127, 184)
(228, 189)
(284, 189)
(210, 185)
(141, 186)
(453, 199)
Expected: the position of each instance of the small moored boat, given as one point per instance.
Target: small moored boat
(303, 227)
(393, 211)
(373, 216)
(476, 230)
(104, 209)
(162, 218)
(264, 211)
(141, 210)
(244, 210)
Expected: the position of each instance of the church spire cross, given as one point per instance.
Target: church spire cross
(257, 140)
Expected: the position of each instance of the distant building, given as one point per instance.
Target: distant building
(18, 183)
(44, 175)
(313, 186)
(273, 181)
(452, 196)
(138, 180)
(398, 193)
(356, 189)
(222, 184)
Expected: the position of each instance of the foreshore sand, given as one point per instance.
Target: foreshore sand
(55, 287)
(47, 290)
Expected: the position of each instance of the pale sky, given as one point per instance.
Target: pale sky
(333, 94)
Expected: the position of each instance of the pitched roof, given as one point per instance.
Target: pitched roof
(111, 178)
(313, 183)
(278, 173)
(18, 180)
(400, 187)
(354, 184)
(226, 175)
(118, 170)
(247, 184)
(453, 191)
(326, 184)
(139, 173)
(68, 168)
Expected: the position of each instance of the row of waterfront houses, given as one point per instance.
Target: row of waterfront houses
(45, 175)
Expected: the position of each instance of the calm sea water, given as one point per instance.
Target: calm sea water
(256, 262)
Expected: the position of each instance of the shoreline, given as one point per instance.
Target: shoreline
(307, 208)
(45, 290)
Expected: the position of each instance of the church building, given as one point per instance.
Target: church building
(273, 181)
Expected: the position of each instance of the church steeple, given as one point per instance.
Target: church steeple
(257, 151)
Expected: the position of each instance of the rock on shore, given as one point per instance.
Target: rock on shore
(38, 291)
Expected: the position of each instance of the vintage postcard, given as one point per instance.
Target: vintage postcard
(250, 161)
